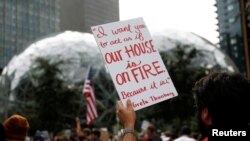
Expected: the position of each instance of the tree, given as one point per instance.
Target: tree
(48, 102)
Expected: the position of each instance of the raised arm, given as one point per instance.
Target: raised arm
(127, 117)
(78, 127)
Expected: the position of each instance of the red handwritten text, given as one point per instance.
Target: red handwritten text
(141, 103)
(138, 49)
(138, 31)
(153, 86)
(132, 64)
(139, 36)
(139, 73)
(115, 41)
(133, 93)
(139, 27)
(145, 71)
(160, 97)
(111, 57)
(103, 44)
(101, 32)
(164, 82)
(126, 39)
(122, 78)
(126, 28)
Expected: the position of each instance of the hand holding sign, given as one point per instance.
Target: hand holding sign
(135, 65)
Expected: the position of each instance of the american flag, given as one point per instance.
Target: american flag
(88, 92)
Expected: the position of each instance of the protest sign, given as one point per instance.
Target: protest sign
(134, 63)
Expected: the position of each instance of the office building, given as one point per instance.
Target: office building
(234, 28)
(80, 15)
(22, 22)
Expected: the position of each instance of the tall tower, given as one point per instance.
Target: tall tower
(23, 21)
(234, 29)
(80, 15)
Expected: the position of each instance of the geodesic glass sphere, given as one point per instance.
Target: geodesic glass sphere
(210, 56)
(78, 50)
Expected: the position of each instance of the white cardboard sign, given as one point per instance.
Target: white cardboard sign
(134, 63)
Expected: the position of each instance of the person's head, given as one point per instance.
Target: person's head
(222, 101)
(95, 134)
(168, 133)
(38, 138)
(86, 132)
(185, 130)
(16, 128)
(151, 131)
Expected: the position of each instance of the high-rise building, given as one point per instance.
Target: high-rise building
(234, 29)
(23, 21)
(80, 15)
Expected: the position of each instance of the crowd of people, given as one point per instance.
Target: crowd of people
(222, 101)
(16, 127)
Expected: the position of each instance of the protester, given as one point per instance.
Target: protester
(95, 135)
(38, 138)
(83, 134)
(152, 135)
(16, 128)
(185, 134)
(169, 136)
(127, 117)
(222, 100)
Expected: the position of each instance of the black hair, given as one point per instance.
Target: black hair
(227, 98)
(96, 133)
(151, 128)
(185, 130)
(2, 132)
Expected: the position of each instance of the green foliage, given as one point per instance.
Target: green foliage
(45, 100)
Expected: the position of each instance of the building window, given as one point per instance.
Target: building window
(235, 48)
(236, 55)
(232, 41)
(221, 38)
(229, 1)
(230, 7)
(231, 20)
(225, 43)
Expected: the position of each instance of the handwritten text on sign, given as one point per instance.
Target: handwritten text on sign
(134, 63)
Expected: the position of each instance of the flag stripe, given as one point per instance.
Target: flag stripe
(89, 95)
(91, 109)
(90, 114)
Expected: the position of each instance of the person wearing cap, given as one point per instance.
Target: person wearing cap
(16, 128)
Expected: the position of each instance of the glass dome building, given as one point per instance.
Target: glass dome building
(78, 50)
(75, 51)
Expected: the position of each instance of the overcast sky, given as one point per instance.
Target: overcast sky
(196, 16)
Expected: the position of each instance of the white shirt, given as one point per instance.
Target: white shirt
(184, 138)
